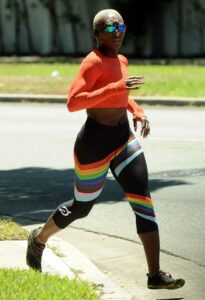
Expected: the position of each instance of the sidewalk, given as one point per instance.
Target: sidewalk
(116, 265)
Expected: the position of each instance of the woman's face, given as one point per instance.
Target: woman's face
(110, 41)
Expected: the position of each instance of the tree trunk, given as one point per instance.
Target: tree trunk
(57, 44)
(1, 34)
(17, 26)
(157, 32)
(201, 33)
(75, 38)
(28, 27)
(179, 27)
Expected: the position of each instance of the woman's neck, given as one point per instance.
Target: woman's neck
(108, 52)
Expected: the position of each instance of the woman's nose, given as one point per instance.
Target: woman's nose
(116, 32)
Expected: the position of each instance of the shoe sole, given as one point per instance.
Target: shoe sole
(178, 283)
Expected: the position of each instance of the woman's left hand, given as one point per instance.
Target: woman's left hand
(145, 127)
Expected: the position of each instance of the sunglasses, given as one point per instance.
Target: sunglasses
(113, 27)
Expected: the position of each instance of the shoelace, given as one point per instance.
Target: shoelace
(165, 274)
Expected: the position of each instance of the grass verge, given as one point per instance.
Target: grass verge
(10, 230)
(160, 80)
(32, 285)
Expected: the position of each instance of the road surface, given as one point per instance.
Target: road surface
(36, 173)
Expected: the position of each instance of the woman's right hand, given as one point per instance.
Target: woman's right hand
(134, 82)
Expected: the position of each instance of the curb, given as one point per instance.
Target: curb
(32, 98)
(81, 266)
(147, 100)
(170, 101)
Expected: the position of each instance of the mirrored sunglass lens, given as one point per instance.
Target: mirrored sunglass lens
(122, 28)
(110, 28)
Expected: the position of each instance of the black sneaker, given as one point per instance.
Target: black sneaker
(164, 280)
(34, 252)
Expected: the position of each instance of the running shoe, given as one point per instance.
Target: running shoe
(34, 252)
(164, 280)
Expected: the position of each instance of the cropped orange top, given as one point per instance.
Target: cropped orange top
(100, 84)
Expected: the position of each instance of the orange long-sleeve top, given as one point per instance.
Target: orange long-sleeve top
(100, 84)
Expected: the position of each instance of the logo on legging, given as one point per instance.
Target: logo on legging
(64, 211)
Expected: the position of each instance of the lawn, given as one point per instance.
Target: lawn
(160, 80)
(32, 285)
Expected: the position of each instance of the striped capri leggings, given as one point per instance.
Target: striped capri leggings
(97, 148)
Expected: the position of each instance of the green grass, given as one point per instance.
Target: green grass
(56, 250)
(36, 78)
(10, 230)
(177, 80)
(36, 69)
(31, 285)
(160, 80)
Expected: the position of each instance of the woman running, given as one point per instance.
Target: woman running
(106, 142)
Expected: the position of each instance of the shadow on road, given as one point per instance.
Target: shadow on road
(29, 195)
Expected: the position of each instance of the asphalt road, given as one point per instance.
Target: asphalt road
(36, 173)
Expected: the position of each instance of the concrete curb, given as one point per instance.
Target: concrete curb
(32, 98)
(170, 101)
(79, 264)
(147, 100)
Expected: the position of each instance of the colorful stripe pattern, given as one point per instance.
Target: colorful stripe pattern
(142, 206)
(129, 152)
(90, 178)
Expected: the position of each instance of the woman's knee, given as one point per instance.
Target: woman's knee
(70, 211)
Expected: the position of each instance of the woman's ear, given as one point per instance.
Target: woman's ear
(96, 33)
(95, 36)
